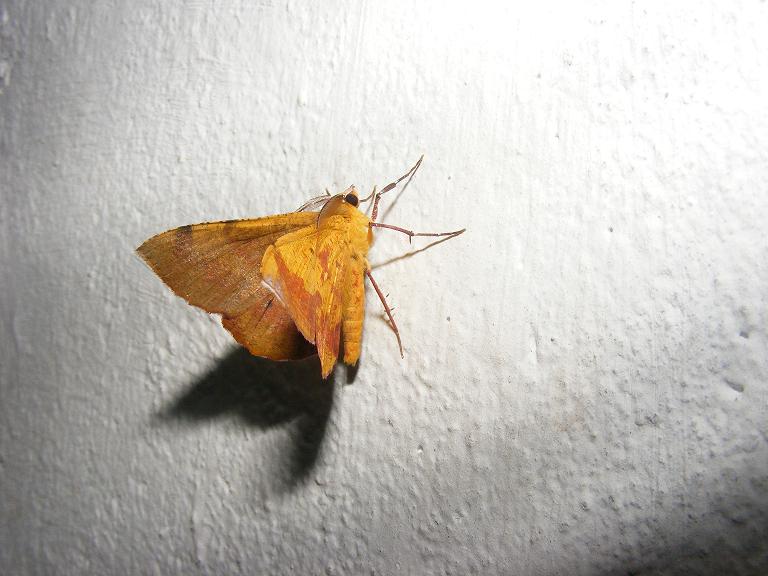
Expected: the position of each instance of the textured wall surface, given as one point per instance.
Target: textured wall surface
(585, 382)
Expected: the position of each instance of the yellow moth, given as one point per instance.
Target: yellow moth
(286, 286)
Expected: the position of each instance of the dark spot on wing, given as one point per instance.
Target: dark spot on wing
(182, 241)
(184, 233)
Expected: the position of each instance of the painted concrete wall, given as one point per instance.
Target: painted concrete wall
(584, 388)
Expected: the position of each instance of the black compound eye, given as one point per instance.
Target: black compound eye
(351, 199)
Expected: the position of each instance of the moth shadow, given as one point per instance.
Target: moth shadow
(264, 394)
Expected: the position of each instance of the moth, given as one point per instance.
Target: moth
(286, 286)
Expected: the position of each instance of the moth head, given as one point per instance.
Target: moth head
(343, 204)
(351, 197)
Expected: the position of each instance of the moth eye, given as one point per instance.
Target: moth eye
(351, 199)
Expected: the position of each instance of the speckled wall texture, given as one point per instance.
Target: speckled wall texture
(585, 382)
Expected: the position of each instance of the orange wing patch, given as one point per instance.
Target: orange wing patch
(308, 271)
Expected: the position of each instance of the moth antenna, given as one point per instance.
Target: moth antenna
(392, 185)
(388, 310)
(315, 200)
(371, 195)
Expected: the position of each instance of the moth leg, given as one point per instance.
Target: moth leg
(411, 233)
(391, 185)
(387, 309)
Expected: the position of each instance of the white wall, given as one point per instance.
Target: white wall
(585, 380)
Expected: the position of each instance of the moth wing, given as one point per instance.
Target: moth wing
(307, 270)
(266, 329)
(216, 266)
